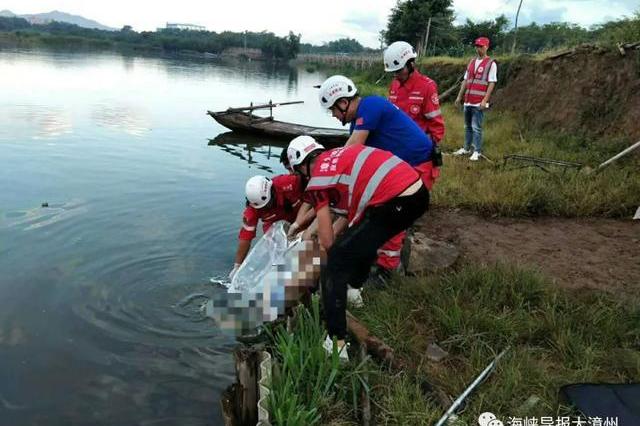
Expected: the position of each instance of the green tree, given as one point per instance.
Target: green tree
(293, 44)
(623, 31)
(409, 21)
(493, 29)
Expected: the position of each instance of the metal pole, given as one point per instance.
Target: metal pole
(426, 38)
(470, 389)
(619, 155)
(515, 30)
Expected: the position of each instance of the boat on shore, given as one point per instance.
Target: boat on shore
(245, 121)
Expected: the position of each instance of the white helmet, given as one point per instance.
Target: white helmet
(258, 191)
(397, 55)
(300, 147)
(334, 88)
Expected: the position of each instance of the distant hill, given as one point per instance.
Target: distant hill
(45, 18)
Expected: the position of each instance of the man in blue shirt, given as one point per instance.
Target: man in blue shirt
(376, 122)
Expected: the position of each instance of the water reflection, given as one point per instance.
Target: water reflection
(41, 122)
(101, 292)
(130, 119)
(39, 217)
(257, 152)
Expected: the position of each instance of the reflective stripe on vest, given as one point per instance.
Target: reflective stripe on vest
(351, 179)
(389, 253)
(345, 179)
(477, 87)
(433, 114)
(373, 183)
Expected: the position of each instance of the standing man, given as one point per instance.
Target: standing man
(269, 200)
(378, 123)
(382, 194)
(412, 92)
(477, 86)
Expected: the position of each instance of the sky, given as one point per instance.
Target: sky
(319, 22)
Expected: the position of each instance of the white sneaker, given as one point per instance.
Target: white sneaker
(475, 156)
(343, 356)
(354, 297)
(461, 151)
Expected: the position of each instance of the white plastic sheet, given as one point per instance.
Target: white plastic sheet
(271, 250)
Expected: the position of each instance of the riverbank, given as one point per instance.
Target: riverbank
(516, 188)
(473, 312)
(547, 268)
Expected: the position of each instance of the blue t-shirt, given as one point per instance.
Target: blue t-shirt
(392, 130)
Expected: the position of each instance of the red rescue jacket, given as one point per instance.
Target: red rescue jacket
(418, 98)
(288, 199)
(357, 177)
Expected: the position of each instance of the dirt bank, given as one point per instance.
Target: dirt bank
(592, 92)
(576, 253)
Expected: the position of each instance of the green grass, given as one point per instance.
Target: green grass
(309, 387)
(556, 338)
(491, 188)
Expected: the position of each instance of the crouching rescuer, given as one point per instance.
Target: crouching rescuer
(268, 200)
(382, 195)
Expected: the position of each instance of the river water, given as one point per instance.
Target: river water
(99, 290)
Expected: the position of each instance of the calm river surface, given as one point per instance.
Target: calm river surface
(95, 328)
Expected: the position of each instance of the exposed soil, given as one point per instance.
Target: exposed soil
(592, 92)
(575, 253)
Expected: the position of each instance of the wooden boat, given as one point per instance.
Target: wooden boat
(243, 120)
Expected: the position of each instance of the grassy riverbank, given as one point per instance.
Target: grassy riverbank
(493, 188)
(473, 313)
(556, 338)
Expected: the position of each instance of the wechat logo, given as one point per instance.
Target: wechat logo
(489, 419)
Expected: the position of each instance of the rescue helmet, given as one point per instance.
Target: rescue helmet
(258, 191)
(334, 88)
(397, 54)
(300, 148)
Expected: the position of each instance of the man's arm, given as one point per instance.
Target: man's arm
(431, 111)
(339, 225)
(247, 233)
(486, 98)
(325, 229)
(357, 137)
(305, 215)
(241, 252)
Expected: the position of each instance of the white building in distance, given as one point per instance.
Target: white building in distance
(188, 27)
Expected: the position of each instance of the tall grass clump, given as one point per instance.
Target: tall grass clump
(309, 387)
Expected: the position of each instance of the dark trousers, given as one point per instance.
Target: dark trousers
(351, 255)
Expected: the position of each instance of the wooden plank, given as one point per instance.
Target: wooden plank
(227, 403)
(247, 360)
(262, 106)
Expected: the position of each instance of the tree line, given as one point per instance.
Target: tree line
(412, 20)
(427, 24)
(61, 33)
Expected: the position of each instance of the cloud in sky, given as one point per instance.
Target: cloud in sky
(317, 22)
(582, 12)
